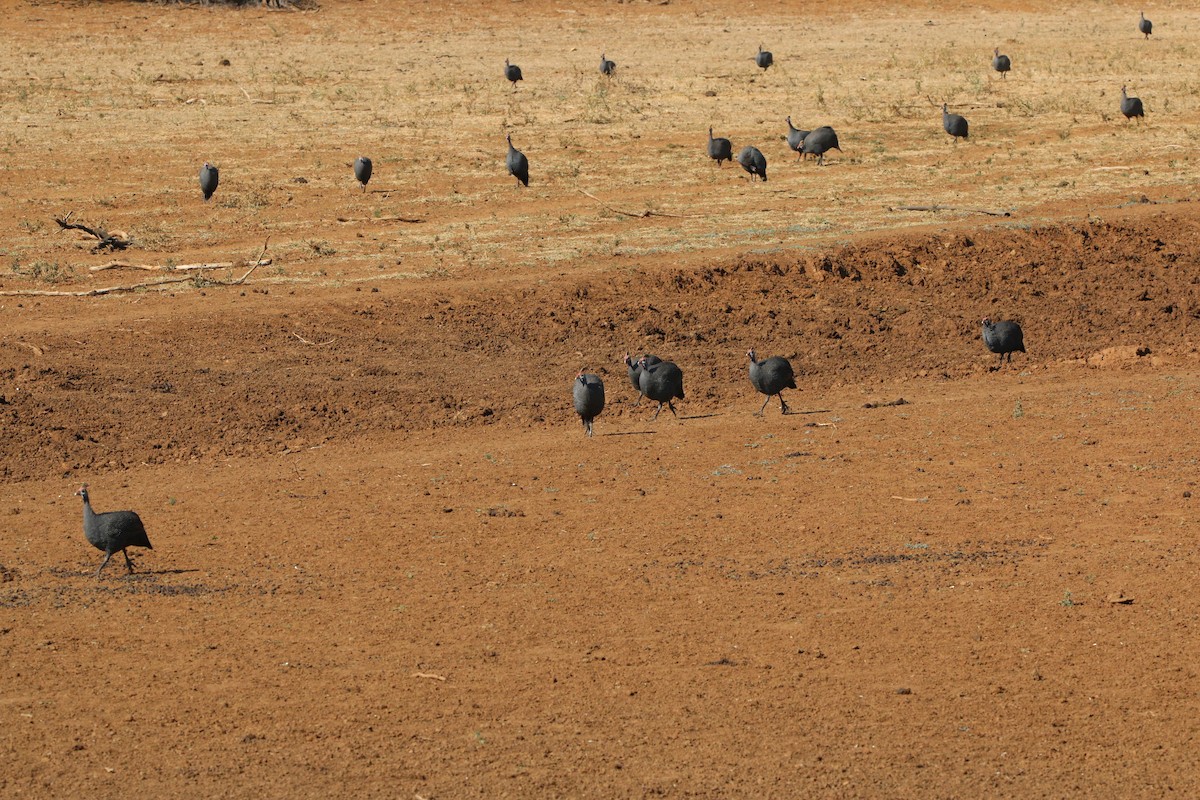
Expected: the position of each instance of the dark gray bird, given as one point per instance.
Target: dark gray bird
(1001, 63)
(764, 58)
(795, 138)
(662, 383)
(770, 377)
(954, 124)
(112, 531)
(607, 67)
(513, 73)
(1145, 25)
(208, 180)
(754, 162)
(1131, 106)
(820, 141)
(362, 170)
(589, 398)
(518, 164)
(635, 370)
(719, 149)
(1004, 338)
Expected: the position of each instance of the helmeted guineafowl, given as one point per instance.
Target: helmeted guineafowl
(795, 138)
(112, 531)
(820, 141)
(208, 180)
(513, 73)
(954, 124)
(662, 383)
(1145, 25)
(607, 67)
(518, 164)
(770, 377)
(362, 170)
(719, 149)
(1131, 106)
(764, 59)
(635, 371)
(1001, 63)
(1004, 338)
(589, 398)
(753, 161)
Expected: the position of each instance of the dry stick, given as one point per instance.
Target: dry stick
(428, 675)
(255, 99)
(117, 240)
(636, 214)
(345, 220)
(911, 499)
(133, 286)
(315, 344)
(159, 267)
(952, 208)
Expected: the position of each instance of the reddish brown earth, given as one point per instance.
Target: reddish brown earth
(387, 562)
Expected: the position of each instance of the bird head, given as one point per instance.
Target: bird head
(987, 321)
(750, 353)
(628, 361)
(82, 491)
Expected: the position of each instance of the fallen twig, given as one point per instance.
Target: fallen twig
(345, 220)
(911, 499)
(428, 675)
(117, 240)
(135, 286)
(885, 403)
(936, 208)
(169, 268)
(314, 344)
(256, 99)
(636, 214)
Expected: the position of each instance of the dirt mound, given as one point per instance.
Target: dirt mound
(266, 372)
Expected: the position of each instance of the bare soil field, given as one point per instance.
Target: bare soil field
(388, 563)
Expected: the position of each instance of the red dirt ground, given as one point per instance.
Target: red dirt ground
(388, 563)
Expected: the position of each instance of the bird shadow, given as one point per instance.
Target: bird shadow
(699, 416)
(630, 433)
(790, 413)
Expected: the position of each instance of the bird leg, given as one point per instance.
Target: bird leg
(128, 562)
(760, 411)
(671, 406)
(660, 405)
(782, 403)
(103, 564)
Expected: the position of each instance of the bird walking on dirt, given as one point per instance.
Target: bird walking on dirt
(1145, 25)
(208, 180)
(770, 377)
(588, 394)
(112, 531)
(1004, 338)
(362, 170)
(764, 59)
(1001, 63)
(607, 67)
(518, 164)
(754, 162)
(719, 149)
(1131, 107)
(513, 73)
(662, 383)
(954, 124)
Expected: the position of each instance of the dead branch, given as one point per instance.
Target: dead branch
(132, 287)
(169, 268)
(952, 208)
(314, 344)
(911, 499)
(886, 403)
(256, 99)
(413, 220)
(428, 675)
(636, 214)
(117, 240)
